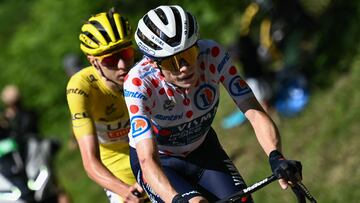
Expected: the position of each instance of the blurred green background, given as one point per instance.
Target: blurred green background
(35, 35)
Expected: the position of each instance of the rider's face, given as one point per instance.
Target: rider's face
(181, 69)
(116, 65)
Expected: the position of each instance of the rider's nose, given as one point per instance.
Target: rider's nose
(122, 64)
(184, 66)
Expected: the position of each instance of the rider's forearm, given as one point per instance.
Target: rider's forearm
(156, 178)
(102, 176)
(265, 130)
(89, 149)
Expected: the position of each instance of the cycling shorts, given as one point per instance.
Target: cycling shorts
(207, 172)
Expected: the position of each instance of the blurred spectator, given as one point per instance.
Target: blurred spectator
(22, 124)
(22, 121)
(272, 47)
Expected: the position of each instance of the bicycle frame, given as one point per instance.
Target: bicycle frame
(301, 191)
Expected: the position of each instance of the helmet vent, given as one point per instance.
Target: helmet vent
(191, 24)
(147, 41)
(177, 38)
(101, 30)
(162, 16)
(113, 24)
(92, 37)
(154, 29)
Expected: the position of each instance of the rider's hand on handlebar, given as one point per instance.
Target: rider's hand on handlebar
(289, 171)
(135, 194)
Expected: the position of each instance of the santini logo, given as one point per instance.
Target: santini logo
(136, 95)
(77, 91)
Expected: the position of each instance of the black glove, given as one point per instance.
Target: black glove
(179, 199)
(290, 170)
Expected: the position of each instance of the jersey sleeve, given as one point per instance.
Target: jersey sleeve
(79, 104)
(228, 74)
(137, 97)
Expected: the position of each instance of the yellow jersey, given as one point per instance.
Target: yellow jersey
(97, 110)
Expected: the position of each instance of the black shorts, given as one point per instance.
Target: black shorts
(207, 172)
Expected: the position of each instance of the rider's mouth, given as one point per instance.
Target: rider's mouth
(187, 78)
(121, 76)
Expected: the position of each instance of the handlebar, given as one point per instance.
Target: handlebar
(305, 192)
(256, 186)
(299, 188)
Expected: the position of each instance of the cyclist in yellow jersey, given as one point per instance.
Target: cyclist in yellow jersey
(99, 114)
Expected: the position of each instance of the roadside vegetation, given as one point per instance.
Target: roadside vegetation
(36, 35)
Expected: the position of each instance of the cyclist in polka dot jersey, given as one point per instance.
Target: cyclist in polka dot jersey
(172, 96)
(180, 117)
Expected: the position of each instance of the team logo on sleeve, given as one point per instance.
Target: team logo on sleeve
(136, 95)
(238, 86)
(205, 96)
(139, 125)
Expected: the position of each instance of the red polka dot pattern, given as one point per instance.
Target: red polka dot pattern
(149, 92)
(137, 81)
(222, 78)
(155, 83)
(186, 102)
(162, 91)
(215, 51)
(169, 92)
(134, 109)
(212, 68)
(189, 114)
(232, 70)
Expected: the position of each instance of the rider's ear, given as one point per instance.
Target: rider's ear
(93, 61)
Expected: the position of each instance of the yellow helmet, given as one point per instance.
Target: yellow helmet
(104, 33)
